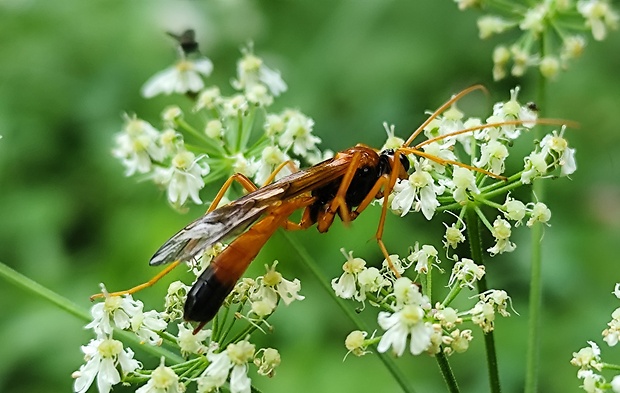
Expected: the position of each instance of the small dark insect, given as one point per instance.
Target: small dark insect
(187, 41)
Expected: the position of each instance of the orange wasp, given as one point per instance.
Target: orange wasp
(343, 185)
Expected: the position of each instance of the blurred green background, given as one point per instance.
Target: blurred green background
(69, 219)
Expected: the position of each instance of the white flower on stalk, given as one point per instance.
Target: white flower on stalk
(251, 71)
(370, 280)
(539, 212)
(417, 192)
(184, 177)
(190, 343)
(392, 141)
(458, 340)
(491, 24)
(406, 293)
(424, 258)
(592, 382)
(104, 356)
(465, 272)
(555, 145)
(493, 154)
(272, 286)
(501, 232)
(443, 149)
(356, 343)
(454, 235)
(514, 209)
(535, 166)
(406, 323)
(588, 357)
(216, 373)
(113, 312)
(146, 325)
(599, 16)
(345, 285)
(463, 182)
(616, 291)
(183, 77)
(162, 380)
(137, 146)
(268, 362)
(208, 99)
(611, 335)
(297, 134)
(572, 47)
(534, 19)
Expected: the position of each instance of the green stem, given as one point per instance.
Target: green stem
(533, 344)
(311, 264)
(475, 245)
(65, 304)
(446, 371)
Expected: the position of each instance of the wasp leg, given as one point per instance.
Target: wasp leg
(140, 287)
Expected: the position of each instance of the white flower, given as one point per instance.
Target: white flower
(588, 357)
(599, 15)
(417, 192)
(146, 325)
(501, 232)
(549, 66)
(272, 286)
(216, 373)
(137, 146)
(555, 145)
(616, 291)
(408, 293)
(466, 273)
(534, 19)
(208, 99)
(539, 213)
(103, 357)
(240, 354)
(267, 363)
(163, 380)
(424, 258)
(345, 285)
(615, 384)
(114, 311)
(514, 209)
(464, 182)
(182, 78)
(297, 134)
(490, 24)
(184, 178)
(251, 71)
(370, 281)
(406, 323)
(535, 166)
(356, 342)
(453, 236)
(392, 141)
(493, 155)
(592, 382)
(191, 343)
(611, 335)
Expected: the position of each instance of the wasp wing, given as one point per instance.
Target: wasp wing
(232, 219)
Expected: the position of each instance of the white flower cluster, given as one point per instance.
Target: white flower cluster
(589, 360)
(558, 23)
(433, 186)
(107, 361)
(182, 157)
(412, 322)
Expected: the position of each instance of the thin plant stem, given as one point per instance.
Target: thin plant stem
(311, 264)
(475, 245)
(68, 306)
(446, 370)
(535, 300)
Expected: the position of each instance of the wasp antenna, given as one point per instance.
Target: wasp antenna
(442, 108)
(557, 122)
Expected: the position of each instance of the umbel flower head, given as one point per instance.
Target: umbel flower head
(560, 24)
